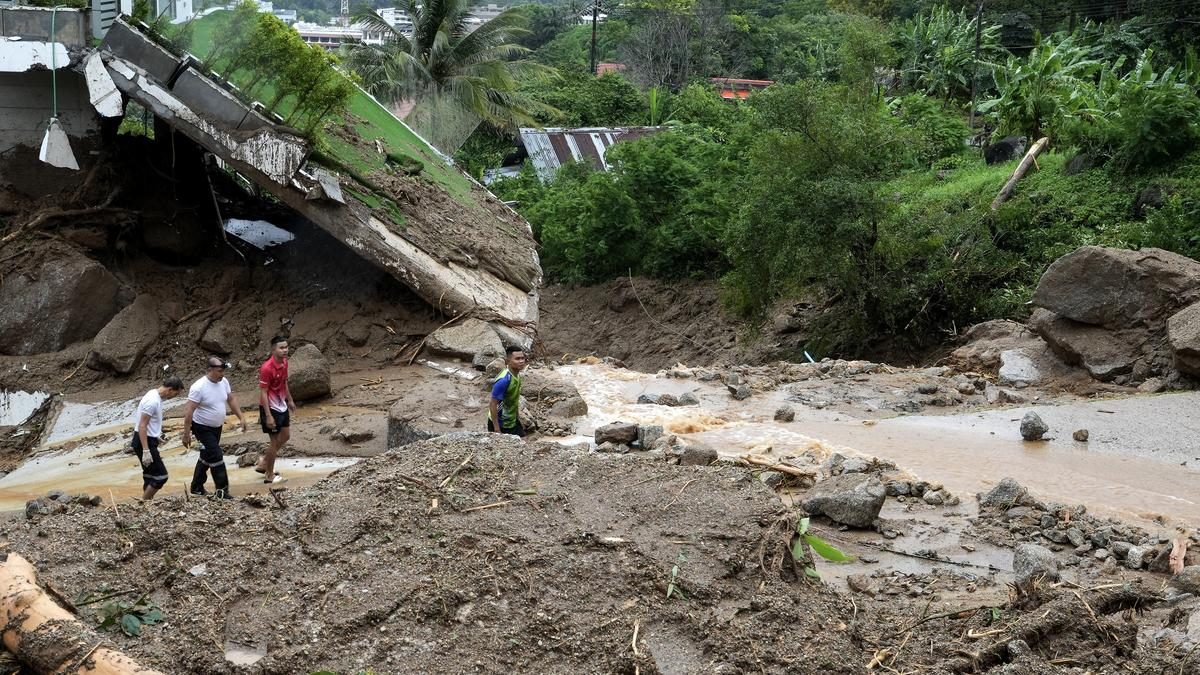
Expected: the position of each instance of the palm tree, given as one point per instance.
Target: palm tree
(446, 65)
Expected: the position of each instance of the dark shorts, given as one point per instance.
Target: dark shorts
(282, 419)
(518, 430)
(154, 475)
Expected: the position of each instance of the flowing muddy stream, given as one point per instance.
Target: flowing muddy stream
(1131, 468)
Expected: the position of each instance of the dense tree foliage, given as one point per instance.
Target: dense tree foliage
(856, 178)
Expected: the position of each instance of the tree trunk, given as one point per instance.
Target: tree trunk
(1022, 168)
(47, 637)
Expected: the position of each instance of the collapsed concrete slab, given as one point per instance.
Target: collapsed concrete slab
(487, 268)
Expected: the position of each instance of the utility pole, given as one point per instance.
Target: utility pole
(975, 64)
(595, 13)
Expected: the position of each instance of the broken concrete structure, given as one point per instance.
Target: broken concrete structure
(446, 266)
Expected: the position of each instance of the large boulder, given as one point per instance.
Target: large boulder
(1118, 288)
(308, 373)
(465, 339)
(1183, 332)
(65, 300)
(617, 432)
(1104, 353)
(222, 338)
(853, 499)
(119, 346)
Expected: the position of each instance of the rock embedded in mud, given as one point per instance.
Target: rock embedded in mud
(898, 488)
(221, 338)
(1186, 580)
(247, 459)
(612, 448)
(352, 435)
(785, 413)
(860, 583)
(855, 465)
(1032, 427)
(850, 499)
(120, 345)
(35, 508)
(648, 434)
(1018, 369)
(67, 299)
(617, 432)
(668, 400)
(1121, 548)
(927, 388)
(572, 406)
(934, 497)
(1031, 561)
(1080, 435)
(772, 479)
(688, 398)
(308, 373)
(465, 339)
(1007, 493)
(1137, 557)
(740, 392)
(698, 455)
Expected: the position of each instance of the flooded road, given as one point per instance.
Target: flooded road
(1130, 469)
(84, 450)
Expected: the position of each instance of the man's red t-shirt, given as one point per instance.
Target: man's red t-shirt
(274, 377)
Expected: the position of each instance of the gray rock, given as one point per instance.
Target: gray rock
(511, 337)
(697, 455)
(934, 497)
(860, 583)
(572, 406)
(308, 373)
(1101, 537)
(647, 434)
(772, 479)
(613, 448)
(617, 432)
(1153, 385)
(668, 400)
(1032, 427)
(927, 388)
(1075, 536)
(1183, 333)
(56, 495)
(850, 499)
(1137, 557)
(466, 339)
(221, 338)
(1101, 554)
(1006, 494)
(119, 346)
(247, 459)
(1080, 435)
(855, 465)
(898, 488)
(35, 508)
(353, 435)
(785, 413)
(1187, 580)
(68, 299)
(1116, 288)
(1120, 548)
(1048, 521)
(647, 399)
(1017, 649)
(1106, 354)
(688, 398)
(951, 499)
(1016, 368)
(1056, 536)
(357, 333)
(1031, 561)
(739, 392)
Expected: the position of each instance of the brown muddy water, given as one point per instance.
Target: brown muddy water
(1130, 469)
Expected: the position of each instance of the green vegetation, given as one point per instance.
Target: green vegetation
(123, 615)
(250, 50)
(850, 181)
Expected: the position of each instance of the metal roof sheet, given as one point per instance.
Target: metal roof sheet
(552, 147)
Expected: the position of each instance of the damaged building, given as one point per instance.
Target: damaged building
(389, 196)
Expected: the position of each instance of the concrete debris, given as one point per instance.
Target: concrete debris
(102, 92)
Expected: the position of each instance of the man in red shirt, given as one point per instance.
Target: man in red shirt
(274, 406)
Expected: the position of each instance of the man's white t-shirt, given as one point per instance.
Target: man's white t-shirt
(210, 398)
(151, 404)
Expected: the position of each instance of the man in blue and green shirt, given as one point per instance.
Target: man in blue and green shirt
(506, 395)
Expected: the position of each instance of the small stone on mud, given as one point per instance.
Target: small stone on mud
(927, 388)
(697, 455)
(739, 392)
(1080, 435)
(785, 414)
(1031, 561)
(772, 479)
(1076, 537)
(934, 498)
(1032, 427)
(860, 583)
(1135, 558)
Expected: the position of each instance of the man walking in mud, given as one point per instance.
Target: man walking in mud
(506, 395)
(275, 406)
(147, 433)
(205, 416)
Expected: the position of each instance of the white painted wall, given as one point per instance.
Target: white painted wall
(25, 104)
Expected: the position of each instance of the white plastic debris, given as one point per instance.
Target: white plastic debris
(258, 233)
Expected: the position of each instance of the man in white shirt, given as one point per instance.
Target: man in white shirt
(147, 432)
(204, 415)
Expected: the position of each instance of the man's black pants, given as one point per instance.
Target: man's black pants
(211, 459)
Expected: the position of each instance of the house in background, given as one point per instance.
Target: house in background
(550, 148)
(734, 89)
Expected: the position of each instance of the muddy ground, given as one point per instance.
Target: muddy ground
(479, 553)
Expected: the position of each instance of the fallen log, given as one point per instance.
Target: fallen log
(759, 460)
(48, 638)
(1029, 160)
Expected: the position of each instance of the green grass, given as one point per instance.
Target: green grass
(363, 117)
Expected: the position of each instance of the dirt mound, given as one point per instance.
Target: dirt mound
(529, 559)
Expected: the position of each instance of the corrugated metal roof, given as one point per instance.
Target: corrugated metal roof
(550, 148)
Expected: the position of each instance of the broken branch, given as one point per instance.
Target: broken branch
(1022, 169)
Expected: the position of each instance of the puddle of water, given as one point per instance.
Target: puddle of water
(1130, 469)
(17, 406)
(81, 420)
